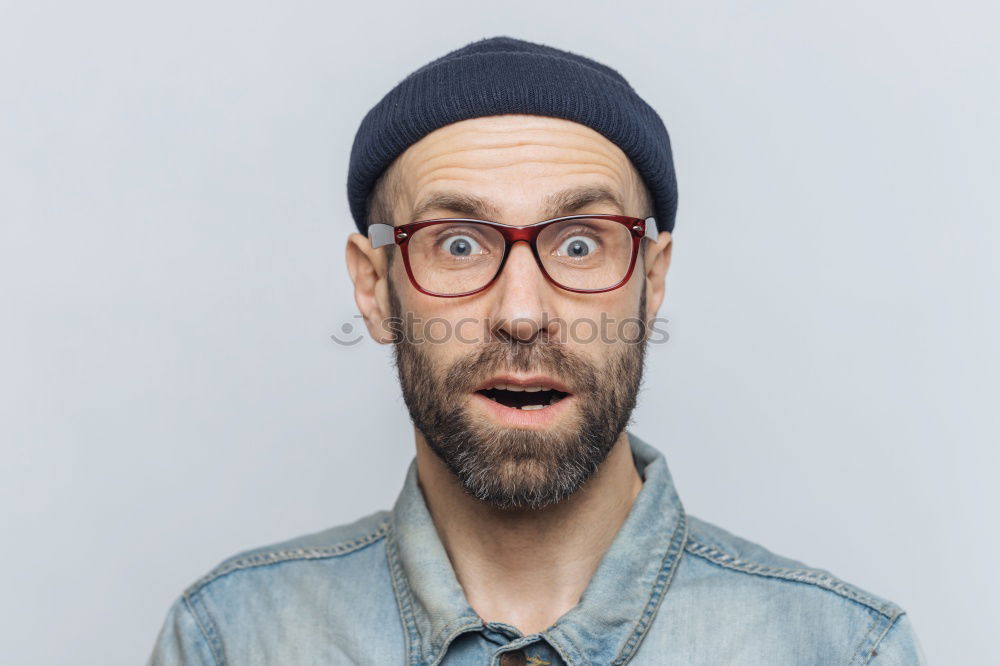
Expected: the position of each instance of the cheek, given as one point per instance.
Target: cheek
(447, 330)
(597, 324)
(448, 344)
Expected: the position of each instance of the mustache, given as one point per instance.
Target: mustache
(497, 357)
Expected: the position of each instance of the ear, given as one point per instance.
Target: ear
(657, 263)
(369, 272)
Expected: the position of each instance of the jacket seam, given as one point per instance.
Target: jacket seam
(868, 640)
(864, 656)
(207, 629)
(404, 603)
(275, 557)
(668, 567)
(818, 579)
(571, 658)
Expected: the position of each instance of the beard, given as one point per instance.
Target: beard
(515, 468)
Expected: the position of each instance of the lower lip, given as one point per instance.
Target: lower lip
(519, 418)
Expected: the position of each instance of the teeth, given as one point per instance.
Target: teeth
(529, 408)
(515, 387)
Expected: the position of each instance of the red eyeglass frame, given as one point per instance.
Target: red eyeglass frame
(385, 234)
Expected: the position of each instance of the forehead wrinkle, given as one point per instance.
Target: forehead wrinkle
(474, 162)
(477, 150)
(571, 199)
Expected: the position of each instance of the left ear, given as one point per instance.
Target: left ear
(657, 263)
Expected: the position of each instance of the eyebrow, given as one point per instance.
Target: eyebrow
(566, 201)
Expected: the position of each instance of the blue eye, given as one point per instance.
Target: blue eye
(461, 246)
(577, 247)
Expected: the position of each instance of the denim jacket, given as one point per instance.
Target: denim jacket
(671, 589)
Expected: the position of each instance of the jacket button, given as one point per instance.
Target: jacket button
(515, 658)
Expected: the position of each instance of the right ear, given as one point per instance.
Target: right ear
(369, 272)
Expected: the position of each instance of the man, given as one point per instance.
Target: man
(507, 193)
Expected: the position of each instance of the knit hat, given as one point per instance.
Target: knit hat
(502, 75)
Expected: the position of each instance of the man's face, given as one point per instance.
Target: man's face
(523, 389)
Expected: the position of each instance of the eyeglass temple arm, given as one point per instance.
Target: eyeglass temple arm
(651, 231)
(381, 234)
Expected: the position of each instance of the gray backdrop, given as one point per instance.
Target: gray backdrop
(172, 195)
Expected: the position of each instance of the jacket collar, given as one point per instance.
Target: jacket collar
(615, 610)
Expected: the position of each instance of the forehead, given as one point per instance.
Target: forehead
(515, 166)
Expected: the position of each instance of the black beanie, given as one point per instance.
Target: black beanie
(505, 75)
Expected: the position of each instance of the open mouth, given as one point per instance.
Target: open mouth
(526, 398)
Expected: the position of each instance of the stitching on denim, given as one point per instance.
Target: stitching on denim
(670, 562)
(207, 628)
(403, 601)
(457, 631)
(857, 655)
(277, 556)
(521, 643)
(444, 639)
(866, 655)
(570, 657)
(822, 580)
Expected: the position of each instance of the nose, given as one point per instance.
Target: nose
(523, 297)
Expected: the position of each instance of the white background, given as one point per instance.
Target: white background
(172, 197)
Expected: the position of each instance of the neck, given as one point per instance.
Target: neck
(528, 567)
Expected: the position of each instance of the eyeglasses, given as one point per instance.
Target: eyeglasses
(451, 257)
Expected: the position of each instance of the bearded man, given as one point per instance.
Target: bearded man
(521, 198)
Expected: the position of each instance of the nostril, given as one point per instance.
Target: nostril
(523, 328)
